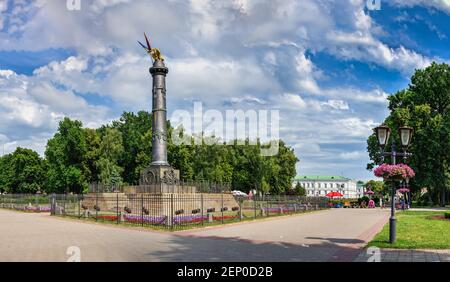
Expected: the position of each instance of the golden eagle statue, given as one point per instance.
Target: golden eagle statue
(153, 52)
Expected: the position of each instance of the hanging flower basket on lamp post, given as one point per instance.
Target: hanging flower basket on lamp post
(396, 172)
(370, 193)
(403, 190)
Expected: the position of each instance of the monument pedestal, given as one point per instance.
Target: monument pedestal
(161, 179)
(160, 174)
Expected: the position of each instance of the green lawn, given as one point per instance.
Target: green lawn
(416, 231)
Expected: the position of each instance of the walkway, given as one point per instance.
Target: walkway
(393, 255)
(331, 235)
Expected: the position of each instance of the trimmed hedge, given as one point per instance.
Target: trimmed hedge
(447, 214)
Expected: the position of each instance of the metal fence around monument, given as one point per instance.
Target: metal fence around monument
(26, 202)
(179, 211)
(163, 211)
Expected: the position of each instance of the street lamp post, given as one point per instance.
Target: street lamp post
(383, 133)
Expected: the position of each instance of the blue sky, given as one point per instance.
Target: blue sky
(326, 65)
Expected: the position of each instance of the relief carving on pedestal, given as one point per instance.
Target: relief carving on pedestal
(149, 177)
(170, 177)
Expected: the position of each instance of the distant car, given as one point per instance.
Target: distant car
(239, 193)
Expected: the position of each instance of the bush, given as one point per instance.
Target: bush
(447, 214)
(337, 202)
(376, 200)
(363, 199)
(290, 192)
(424, 200)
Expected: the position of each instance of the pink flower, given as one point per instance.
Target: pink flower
(393, 171)
(403, 190)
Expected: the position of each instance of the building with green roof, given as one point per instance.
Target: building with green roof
(320, 185)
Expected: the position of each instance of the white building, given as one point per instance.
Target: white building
(319, 186)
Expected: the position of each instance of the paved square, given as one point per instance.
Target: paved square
(331, 235)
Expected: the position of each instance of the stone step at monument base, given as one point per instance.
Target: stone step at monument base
(106, 202)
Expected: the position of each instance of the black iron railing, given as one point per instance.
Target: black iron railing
(26, 202)
(163, 211)
(179, 211)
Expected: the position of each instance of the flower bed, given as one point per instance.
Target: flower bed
(37, 209)
(145, 219)
(394, 172)
(439, 217)
(159, 220)
(107, 217)
(189, 219)
(225, 217)
(447, 215)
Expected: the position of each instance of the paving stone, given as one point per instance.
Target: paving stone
(419, 260)
(444, 257)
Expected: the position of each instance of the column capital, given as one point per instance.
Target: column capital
(159, 68)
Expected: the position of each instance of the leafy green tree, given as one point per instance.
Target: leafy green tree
(93, 140)
(23, 172)
(282, 167)
(136, 134)
(265, 187)
(111, 150)
(379, 187)
(65, 154)
(300, 190)
(250, 168)
(117, 153)
(5, 173)
(272, 174)
(181, 156)
(425, 106)
(212, 162)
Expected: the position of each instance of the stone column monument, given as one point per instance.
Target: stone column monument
(159, 125)
(159, 171)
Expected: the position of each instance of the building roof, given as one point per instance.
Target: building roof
(321, 177)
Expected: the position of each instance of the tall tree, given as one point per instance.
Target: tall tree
(22, 172)
(93, 140)
(65, 154)
(5, 173)
(76, 156)
(110, 151)
(181, 155)
(285, 163)
(425, 106)
(377, 187)
(136, 150)
(300, 190)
